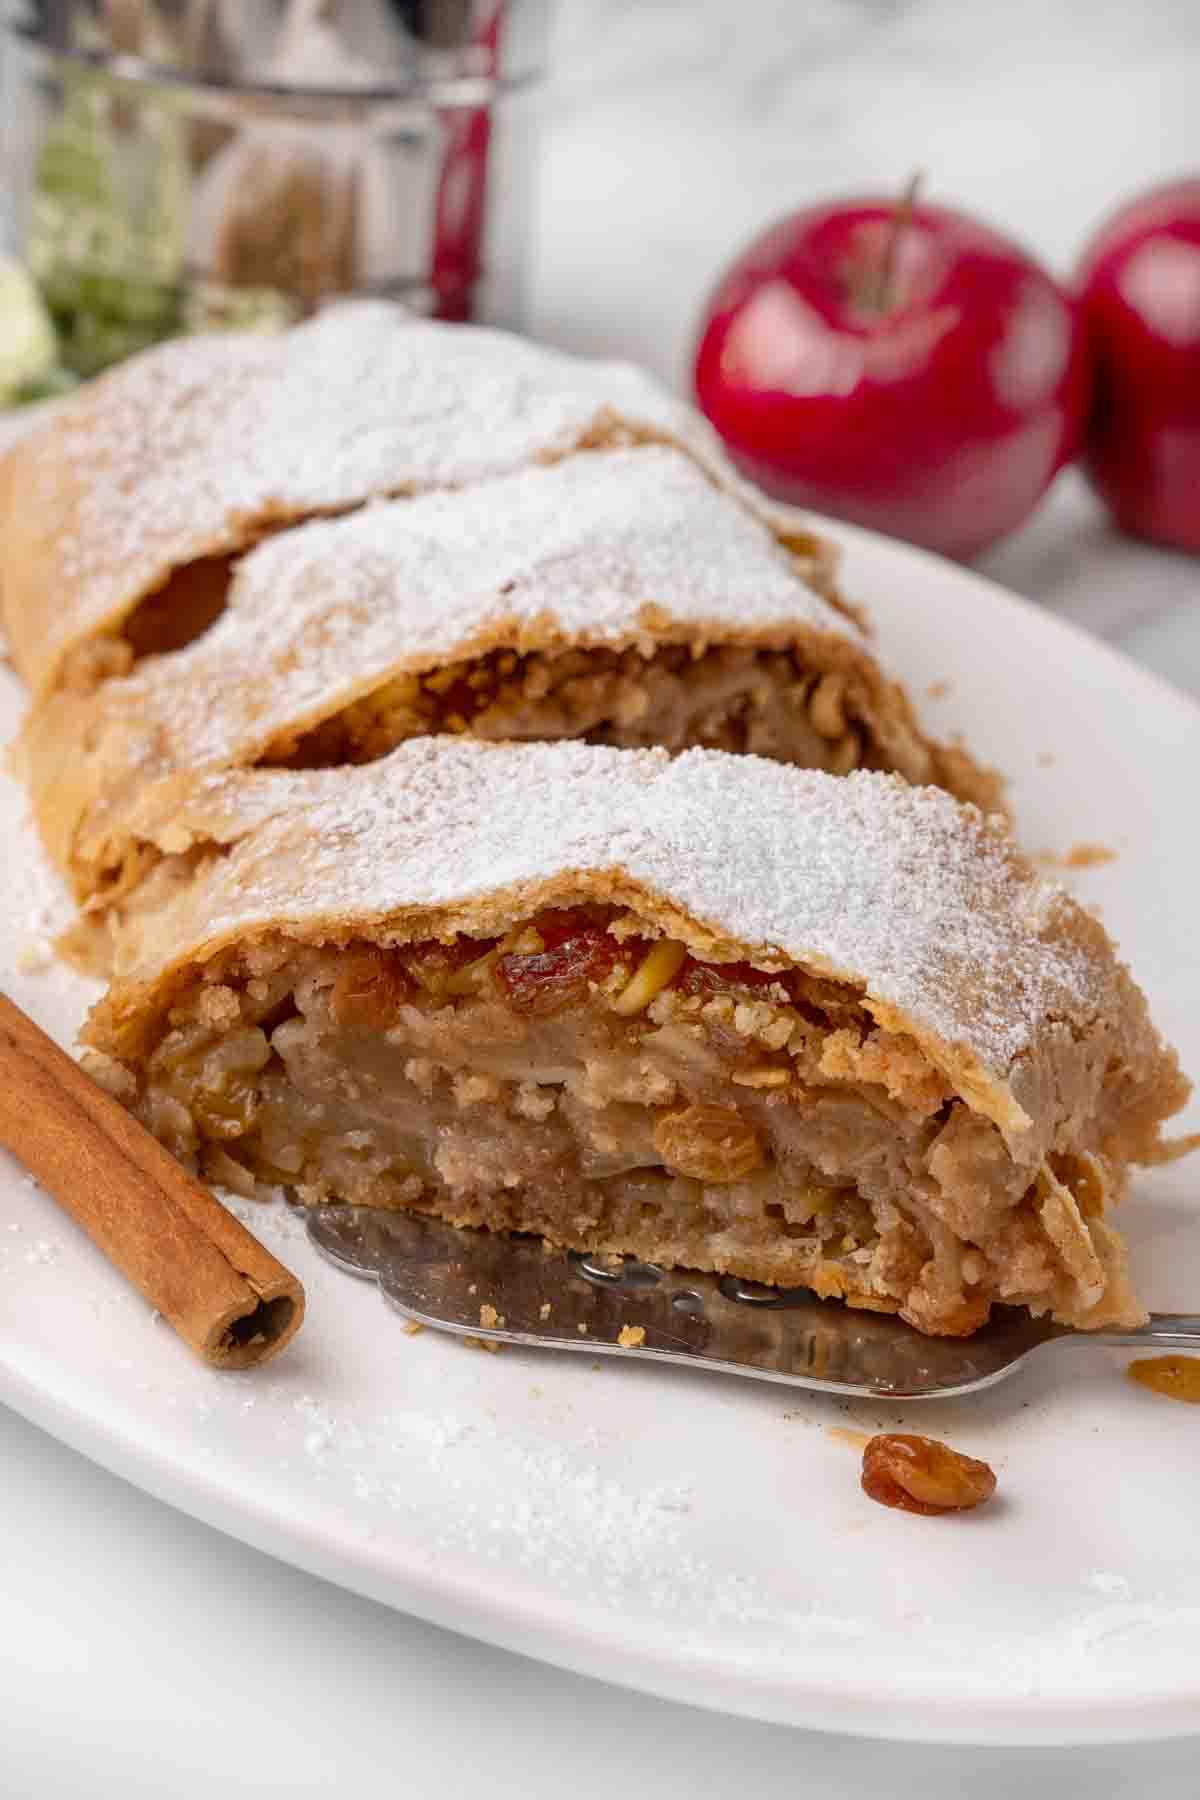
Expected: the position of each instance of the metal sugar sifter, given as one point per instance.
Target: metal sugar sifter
(184, 165)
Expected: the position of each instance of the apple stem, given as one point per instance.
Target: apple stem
(901, 218)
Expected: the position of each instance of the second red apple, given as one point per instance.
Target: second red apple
(907, 368)
(1140, 284)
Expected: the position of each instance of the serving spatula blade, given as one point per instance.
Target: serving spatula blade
(453, 1280)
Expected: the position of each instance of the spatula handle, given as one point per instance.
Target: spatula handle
(1166, 1331)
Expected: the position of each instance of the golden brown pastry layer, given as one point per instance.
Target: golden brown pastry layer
(614, 596)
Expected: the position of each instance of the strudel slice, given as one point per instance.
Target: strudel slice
(614, 596)
(120, 516)
(710, 1010)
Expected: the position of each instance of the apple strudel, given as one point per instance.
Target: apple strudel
(613, 596)
(120, 517)
(712, 1011)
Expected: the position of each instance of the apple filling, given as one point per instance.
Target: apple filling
(578, 1080)
(189, 601)
(729, 697)
(793, 706)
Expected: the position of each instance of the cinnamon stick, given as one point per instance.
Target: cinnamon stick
(223, 1292)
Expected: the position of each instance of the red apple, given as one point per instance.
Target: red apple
(902, 366)
(1140, 290)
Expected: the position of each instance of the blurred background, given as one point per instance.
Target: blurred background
(639, 146)
(676, 129)
(674, 132)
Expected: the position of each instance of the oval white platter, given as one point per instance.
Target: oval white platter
(701, 1537)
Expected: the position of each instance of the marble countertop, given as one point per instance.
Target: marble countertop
(140, 1652)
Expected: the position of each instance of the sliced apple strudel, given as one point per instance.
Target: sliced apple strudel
(712, 1011)
(120, 517)
(614, 596)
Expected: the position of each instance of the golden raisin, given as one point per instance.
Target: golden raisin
(435, 967)
(1178, 1377)
(369, 987)
(228, 1107)
(709, 1143)
(921, 1475)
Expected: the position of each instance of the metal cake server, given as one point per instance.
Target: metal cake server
(441, 1276)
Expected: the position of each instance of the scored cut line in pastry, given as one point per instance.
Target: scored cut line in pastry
(710, 1010)
(119, 516)
(614, 595)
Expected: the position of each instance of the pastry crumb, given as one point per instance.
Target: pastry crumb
(1079, 856)
(858, 1440)
(34, 956)
(630, 1336)
(413, 1327)
(1088, 856)
(544, 1310)
(489, 1318)
(938, 690)
(488, 1344)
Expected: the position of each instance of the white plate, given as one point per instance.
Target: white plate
(702, 1537)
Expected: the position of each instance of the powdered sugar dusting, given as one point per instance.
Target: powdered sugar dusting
(569, 1517)
(44, 1251)
(187, 450)
(318, 615)
(900, 889)
(1113, 1587)
(34, 909)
